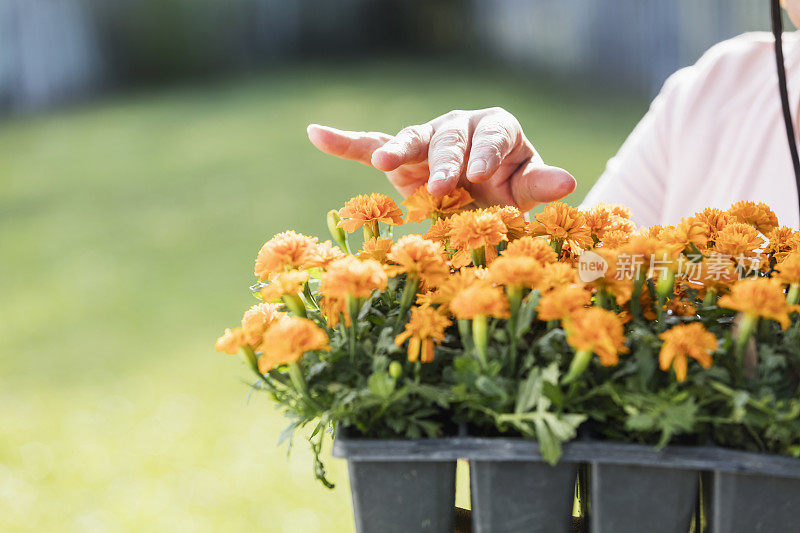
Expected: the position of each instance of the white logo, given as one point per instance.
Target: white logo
(591, 266)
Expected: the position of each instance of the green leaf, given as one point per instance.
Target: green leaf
(526, 313)
(490, 387)
(381, 384)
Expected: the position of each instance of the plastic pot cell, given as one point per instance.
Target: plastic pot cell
(752, 503)
(511, 496)
(400, 496)
(409, 486)
(635, 499)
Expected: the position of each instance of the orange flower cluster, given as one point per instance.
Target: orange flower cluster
(481, 264)
(422, 204)
(760, 297)
(285, 251)
(255, 322)
(425, 327)
(420, 258)
(288, 339)
(476, 229)
(686, 340)
(351, 276)
(369, 210)
(598, 331)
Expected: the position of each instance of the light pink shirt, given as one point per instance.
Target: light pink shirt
(713, 136)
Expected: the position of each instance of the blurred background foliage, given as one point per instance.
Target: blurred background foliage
(129, 222)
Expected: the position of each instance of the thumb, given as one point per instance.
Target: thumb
(536, 183)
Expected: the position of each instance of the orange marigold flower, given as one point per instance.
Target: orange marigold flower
(284, 251)
(456, 283)
(475, 229)
(534, 247)
(556, 275)
(284, 283)
(563, 302)
(689, 231)
(615, 239)
(439, 230)
(257, 319)
(369, 209)
(653, 232)
(353, 277)
(333, 309)
(597, 330)
(515, 222)
(480, 299)
(715, 272)
(782, 241)
(564, 223)
(426, 326)
(758, 215)
(231, 341)
(324, 254)
(615, 281)
(376, 249)
(420, 258)
(514, 271)
(738, 239)
(620, 210)
(788, 270)
(712, 221)
(681, 304)
(422, 204)
(604, 218)
(760, 297)
(683, 341)
(288, 339)
(642, 248)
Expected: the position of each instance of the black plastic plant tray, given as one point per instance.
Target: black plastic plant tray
(632, 488)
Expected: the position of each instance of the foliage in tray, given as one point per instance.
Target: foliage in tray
(575, 321)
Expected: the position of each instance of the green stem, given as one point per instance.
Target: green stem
(252, 360)
(300, 385)
(710, 298)
(371, 230)
(557, 245)
(407, 298)
(353, 307)
(480, 328)
(478, 256)
(577, 366)
(464, 332)
(295, 304)
(665, 285)
(514, 295)
(793, 298)
(601, 299)
(747, 327)
(664, 288)
(636, 305)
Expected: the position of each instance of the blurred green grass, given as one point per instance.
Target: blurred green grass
(127, 234)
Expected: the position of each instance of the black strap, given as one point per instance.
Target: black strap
(777, 31)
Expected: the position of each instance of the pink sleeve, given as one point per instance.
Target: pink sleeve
(637, 176)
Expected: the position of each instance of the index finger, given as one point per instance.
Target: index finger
(352, 145)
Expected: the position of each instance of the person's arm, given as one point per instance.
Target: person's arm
(637, 177)
(484, 151)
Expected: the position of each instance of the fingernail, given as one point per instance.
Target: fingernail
(439, 175)
(476, 167)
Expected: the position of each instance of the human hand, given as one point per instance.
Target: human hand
(484, 151)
